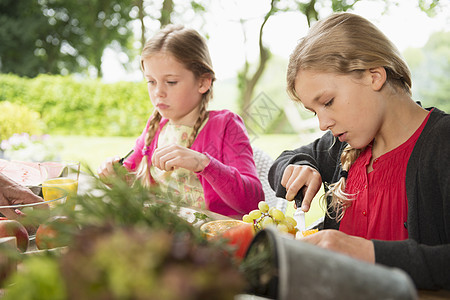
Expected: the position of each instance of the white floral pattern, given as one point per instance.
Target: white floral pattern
(179, 183)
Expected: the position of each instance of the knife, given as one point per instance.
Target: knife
(299, 214)
(125, 157)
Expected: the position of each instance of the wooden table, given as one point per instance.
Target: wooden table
(434, 295)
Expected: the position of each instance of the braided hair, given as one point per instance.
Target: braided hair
(345, 43)
(189, 48)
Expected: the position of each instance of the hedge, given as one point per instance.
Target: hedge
(71, 106)
(16, 118)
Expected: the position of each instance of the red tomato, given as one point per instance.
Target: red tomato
(240, 237)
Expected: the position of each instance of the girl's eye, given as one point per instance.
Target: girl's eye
(329, 103)
(171, 82)
(152, 82)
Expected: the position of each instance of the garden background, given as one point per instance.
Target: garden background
(71, 88)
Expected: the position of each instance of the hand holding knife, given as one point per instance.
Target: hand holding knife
(299, 214)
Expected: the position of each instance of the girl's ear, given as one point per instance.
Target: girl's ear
(205, 84)
(378, 76)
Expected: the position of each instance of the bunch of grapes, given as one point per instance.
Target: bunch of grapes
(265, 216)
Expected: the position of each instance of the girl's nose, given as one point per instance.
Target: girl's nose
(159, 90)
(325, 122)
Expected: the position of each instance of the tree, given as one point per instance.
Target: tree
(247, 81)
(60, 36)
(65, 36)
(23, 43)
(430, 68)
(165, 13)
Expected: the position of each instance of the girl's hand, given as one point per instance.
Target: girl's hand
(296, 177)
(106, 169)
(338, 241)
(173, 156)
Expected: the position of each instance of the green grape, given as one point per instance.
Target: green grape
(27, 210)
(288, 225)
(283, 228)
(291, 220)
(277, 215)
(247, 219)
(263, 206)
(255, 214)
(270, 212)
(267, 221)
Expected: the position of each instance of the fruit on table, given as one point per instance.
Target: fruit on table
(309, 232)
(264, 216)
(240, 238)
(16, 229)
(22, 173)
(238, 234)
(54, 233)
(214, 229)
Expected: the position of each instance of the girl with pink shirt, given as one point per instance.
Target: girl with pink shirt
(202, 157)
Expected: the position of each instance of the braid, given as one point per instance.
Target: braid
(340, 199)
(142, 173)
(201, 118)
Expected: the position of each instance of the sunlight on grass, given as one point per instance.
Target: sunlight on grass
(92, 151)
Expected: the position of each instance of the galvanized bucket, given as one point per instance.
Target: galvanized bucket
(282, 268)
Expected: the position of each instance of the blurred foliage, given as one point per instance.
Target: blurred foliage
(70, 36)
(60, 36)
(40, 279)
(430, 68)
(80, 107)
(125, 243)
(16, 118)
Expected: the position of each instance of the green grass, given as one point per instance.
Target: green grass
(92, 151)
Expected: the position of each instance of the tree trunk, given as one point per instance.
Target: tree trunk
(248, 82)
(140, 5)
(166, 12)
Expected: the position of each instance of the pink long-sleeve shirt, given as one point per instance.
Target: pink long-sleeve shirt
(230, 181)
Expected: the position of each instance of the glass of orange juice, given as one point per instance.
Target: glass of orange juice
(63, 175)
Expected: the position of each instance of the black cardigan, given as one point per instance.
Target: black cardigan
(425, 255)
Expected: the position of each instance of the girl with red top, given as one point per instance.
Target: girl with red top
(384, 161)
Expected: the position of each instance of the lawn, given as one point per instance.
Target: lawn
(92, 151)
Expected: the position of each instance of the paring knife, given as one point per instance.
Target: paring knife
(299, 214)
(125, 157)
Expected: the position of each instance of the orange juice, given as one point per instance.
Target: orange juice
(67, 184)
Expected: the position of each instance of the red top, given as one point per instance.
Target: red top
(380, 208)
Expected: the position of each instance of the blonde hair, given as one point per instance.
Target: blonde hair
(345, 43)
(189, 48)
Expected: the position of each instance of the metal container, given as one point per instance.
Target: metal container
(284, 268)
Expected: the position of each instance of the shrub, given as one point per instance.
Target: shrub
(70, 106)
(15, 118)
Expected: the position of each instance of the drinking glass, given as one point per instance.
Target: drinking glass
(63, 175)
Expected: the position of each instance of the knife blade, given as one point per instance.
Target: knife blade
(299, 214)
